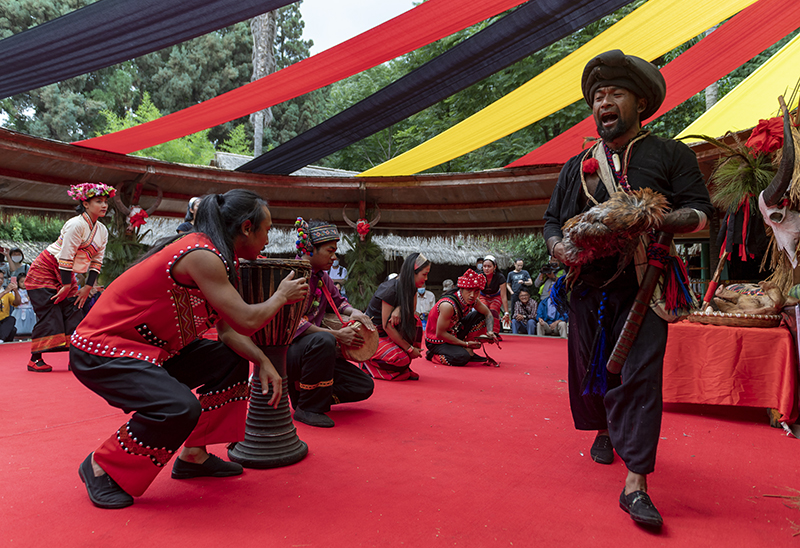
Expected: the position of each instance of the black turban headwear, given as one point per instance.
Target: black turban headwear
(614, 68)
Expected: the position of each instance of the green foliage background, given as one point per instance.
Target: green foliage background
(29, 228)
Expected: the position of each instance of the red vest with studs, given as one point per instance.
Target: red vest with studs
(147, 315)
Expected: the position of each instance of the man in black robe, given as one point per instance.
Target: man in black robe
(622, 90)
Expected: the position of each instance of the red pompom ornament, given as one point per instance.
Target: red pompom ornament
(590, 166)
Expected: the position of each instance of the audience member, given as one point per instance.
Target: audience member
(524, 314)
(191, 211)
(548, 275)
(549, 320)
(23, 312)
(9, 297)
(516, 281)
(338, 272)
(425, 301)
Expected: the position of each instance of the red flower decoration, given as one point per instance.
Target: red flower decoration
(590, 165)
(362, 227)
(138, 219)
(767, 136)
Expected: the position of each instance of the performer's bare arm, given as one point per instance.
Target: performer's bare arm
(504, 298)
(204, 270)
(359, 316)
(446, 312)
(246, 348)
(683, 220)
(487, 314)
(394, 334)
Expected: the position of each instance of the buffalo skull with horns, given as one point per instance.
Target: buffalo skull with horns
(784, 222)
(135, 215)
(362, 226)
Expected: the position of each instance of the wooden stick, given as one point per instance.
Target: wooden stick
(635, 317)
(712, 286)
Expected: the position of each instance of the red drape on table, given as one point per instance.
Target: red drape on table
(747, 34)
(411, 30)
(720, 365)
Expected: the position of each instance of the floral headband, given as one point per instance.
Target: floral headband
(86, 191)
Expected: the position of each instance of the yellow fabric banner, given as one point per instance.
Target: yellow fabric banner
(649, 32)
(755, 98)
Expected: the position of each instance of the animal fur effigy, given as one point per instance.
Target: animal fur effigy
(613, 227)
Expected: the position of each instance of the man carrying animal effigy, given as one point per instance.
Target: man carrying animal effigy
(625, 409)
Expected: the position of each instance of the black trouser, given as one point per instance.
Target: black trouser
(319, 378)
(8, 328)
(451, 354)
(631, 409)
(166, 410)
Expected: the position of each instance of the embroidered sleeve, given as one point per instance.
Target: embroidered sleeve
(72, 235)
(99, 244)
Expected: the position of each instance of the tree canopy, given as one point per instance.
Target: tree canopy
(207, 66)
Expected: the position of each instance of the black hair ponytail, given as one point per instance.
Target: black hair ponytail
(220, 217)
(406, 289)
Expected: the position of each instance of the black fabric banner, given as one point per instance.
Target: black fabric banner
(112, 31)
(529, 28)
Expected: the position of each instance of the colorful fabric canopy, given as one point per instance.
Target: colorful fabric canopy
(754, 98)
(652, 30)
(417, 27)
(515, 36)
(747, 34)
(112, 31)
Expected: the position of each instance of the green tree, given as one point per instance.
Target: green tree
(192, 149)
(237, 142)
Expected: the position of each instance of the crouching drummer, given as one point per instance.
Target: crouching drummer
(141, 350)
(318, 377)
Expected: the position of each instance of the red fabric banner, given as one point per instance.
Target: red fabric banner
(746, 35)
(411, 30)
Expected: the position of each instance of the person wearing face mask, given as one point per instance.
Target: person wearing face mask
(392, 310)
(16, 266)
(338, 273)
(425, 301)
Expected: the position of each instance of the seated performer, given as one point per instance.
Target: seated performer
(452, 328)
(494, 294)
(141, 351)
(318, 377)
(524, 314)
(400, 332)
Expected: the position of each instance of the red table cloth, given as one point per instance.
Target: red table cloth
(744, 366)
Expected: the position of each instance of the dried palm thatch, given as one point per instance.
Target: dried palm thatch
(457, 250)
(613, 227)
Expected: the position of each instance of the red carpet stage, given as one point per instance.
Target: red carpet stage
(471, 457)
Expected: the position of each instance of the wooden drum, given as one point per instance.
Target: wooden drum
(270, 438)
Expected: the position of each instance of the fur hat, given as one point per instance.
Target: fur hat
(614, 68)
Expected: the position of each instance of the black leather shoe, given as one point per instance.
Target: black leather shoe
(213, 467)
(602, 451)
(313, 419)
(103, 491)
(641, 508)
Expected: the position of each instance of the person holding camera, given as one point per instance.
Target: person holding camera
(548, 275)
